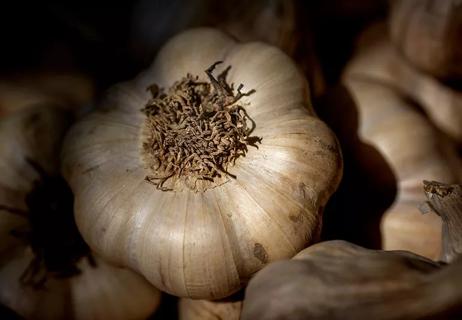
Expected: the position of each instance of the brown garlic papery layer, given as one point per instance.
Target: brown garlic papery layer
(194, 132)
(52, 233)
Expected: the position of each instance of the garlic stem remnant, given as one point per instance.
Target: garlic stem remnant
(195, 131)
(446, 201)
(52, 233)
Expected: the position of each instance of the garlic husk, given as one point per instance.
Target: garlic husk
(190, 309)
(205, 244)
(98, 292)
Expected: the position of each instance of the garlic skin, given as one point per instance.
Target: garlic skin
(190, 309)
(428, 34)
(205, 245)
(101, 292)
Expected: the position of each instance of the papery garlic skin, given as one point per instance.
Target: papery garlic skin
(205, 244)
(98, 292)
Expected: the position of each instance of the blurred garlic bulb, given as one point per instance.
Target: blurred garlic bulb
(207, 183)
(414, 151)
(378, 81)
(209, 310)
(429, 34)
(46, 270)
(379, 59)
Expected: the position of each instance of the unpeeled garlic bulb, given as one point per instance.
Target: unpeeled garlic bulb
(46, 271)
(415, 152)
(381, 86)
(197, 217)
(377, 58)
(428, 33)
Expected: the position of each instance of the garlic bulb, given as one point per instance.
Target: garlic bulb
(209, 310)
(211, 180)
(428, 33)
(378, 59)
(414, 151)
(413, 148)
(46, 270)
